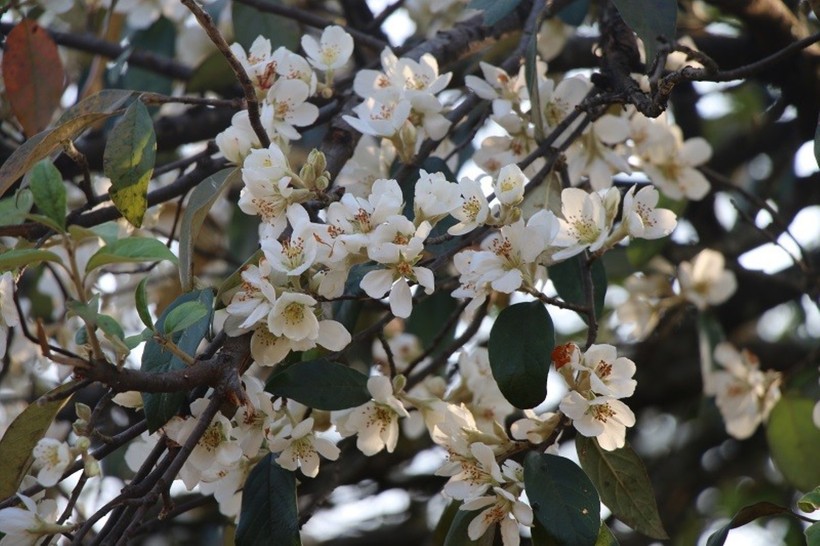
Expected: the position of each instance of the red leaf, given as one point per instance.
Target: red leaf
(33, 74)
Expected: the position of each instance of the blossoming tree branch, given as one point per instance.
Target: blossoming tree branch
(485, 270)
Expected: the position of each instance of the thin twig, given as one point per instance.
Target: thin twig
(216, 37)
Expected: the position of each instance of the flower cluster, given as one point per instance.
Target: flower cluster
(744, 394)
(598, 379)
(613, 143)
(401, 103)
(284, 81)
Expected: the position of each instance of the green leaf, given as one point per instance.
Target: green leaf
(199, 205)
(744, 516)
(159, 38)
(568, 278)
(562, 498)
(159, 407)
(813, 535)
(623, 484)
(574, 13)
(531, 77)
(794, 440)
(46, 221)
(494, 10)
(605, 537)
(320, 384)
(23, 434)
(90, 110)
(214, 73)
(130, 250)
(430, 316)
(521, 343)
(810, 502)
(269, 514)
(457, 534)
(141, 301)
(184, 315)
(128, 161)
(49, 192)
(248, 23)
(17, 258)
(13, 209)
(540, 536)
(650, 19)
(133, 341)
(110, 326)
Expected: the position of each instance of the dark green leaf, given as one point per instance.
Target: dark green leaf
(128, 161)
(49, 192)
(430, 316)
(129, 250)
(320, 384)
(23, 434)
(810, 502)
(574, 13)
(650, 19)
(623, 483)
(568, 277)
(562, 498)
(744, 516)
(199, 205)
(540, 536)
(494, 10)
(269, 514)
(248, 23)
(813, 535)
(159, 407)
(141, 301)
(184, 315)
(159, 38)
(214, 73)
(14, 259)
(521, 343)
(794, 440)
(457, 534)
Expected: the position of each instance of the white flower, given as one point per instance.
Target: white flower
(289, 107)
(295, 255)
(259, 63)
(293, 317)
(474, 209)
(53, 457)
(509, 185)
(332, 51)
(594, 154)
(254, 300)
(214, 447)
(236, 142)
(704, 281)
(471, 474)
(641, 217)
(602, 417)
(609, 374)
(8, 311)
(503, 509)
(398, 244)
(584, 224)
(673, 167)
(535, 428)
(744, 395)
(375, 423)
(26, 526)
(381, 119)
(435, 197)
(300, 448)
